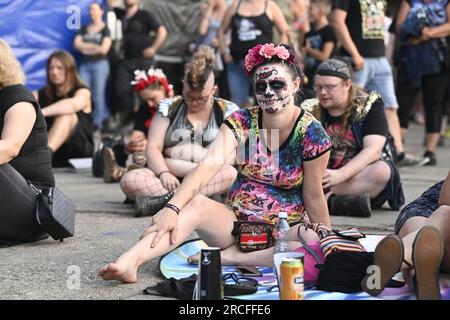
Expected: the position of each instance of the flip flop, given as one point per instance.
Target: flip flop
(427, 253)
(388, 257)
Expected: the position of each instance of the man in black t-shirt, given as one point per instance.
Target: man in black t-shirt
(139, 49)
(319, 41)
(358, 171)
(359, 26)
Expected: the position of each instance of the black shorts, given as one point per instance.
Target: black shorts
(393, 192)
(424, 206)
(79, 145)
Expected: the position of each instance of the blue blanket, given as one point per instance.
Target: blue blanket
(174, 265)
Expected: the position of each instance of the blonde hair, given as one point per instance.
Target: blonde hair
(10, 69)
(198, 70)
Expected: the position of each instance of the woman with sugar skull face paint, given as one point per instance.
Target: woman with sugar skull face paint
(281, 152)
(271, 88)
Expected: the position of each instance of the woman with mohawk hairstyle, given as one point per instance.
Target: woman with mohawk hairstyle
(181, 131)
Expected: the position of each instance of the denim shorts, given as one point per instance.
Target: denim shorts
(238, 82)
(377, 76)
(424, 206)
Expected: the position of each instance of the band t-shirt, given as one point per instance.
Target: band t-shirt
(365, 22)
(344, 143)
(34, 159)
(95, 37)
(136, 31)
(247, 32)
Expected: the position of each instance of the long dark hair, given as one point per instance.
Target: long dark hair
(70, 68)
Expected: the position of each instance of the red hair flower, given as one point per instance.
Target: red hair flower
(259, 53)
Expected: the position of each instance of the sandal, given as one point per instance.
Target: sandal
(388, 257)
(427, 253)
(112, 172)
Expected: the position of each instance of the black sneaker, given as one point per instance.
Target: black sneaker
(429, 159)
(406, 159)
(350, 205)
(148, 206)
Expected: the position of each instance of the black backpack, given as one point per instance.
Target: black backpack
(117, 145)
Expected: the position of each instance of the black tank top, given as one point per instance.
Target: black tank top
(247, 32)
(82, 139)
(34, 159)
(86, 124)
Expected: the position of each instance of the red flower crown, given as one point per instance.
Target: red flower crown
(142, 80)
(261, 52)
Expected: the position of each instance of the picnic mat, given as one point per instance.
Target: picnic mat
(174, 265)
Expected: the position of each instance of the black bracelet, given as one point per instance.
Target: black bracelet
(173, 207)
(164, 171)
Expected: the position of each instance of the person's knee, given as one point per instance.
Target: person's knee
(130, 181)
(380, 173)
(127, 184)
(70, 120)
(230, 172)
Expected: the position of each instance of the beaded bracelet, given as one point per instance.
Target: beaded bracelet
(164, 171)
(173, 207)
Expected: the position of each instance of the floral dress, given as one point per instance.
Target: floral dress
(270, 182)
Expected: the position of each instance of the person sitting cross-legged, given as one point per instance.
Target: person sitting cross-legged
(359, 175)
(66, 104)
(179, 136)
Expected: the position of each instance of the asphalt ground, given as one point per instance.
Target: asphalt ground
(105, 228)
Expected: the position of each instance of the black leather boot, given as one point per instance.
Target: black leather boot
(148, 206)
(350, 205)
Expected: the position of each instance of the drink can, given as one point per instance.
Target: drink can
(291, 277)
(210, 283)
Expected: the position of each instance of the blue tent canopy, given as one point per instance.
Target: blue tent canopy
(35, 28)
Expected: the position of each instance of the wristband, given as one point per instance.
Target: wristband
(164, 171)
(173, 207)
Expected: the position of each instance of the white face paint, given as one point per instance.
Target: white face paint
(273, 87)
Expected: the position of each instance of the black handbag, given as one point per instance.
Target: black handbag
(117, 144)
(55, 213)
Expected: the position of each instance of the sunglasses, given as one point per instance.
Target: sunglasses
(275, 85)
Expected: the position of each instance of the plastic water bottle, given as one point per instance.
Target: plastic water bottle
(282, 234)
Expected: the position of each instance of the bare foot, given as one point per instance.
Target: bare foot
(116, 271)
